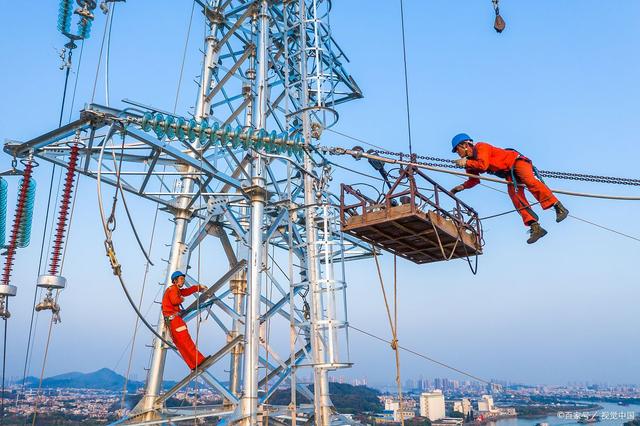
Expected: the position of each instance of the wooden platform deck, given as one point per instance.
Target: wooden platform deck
(416, 235)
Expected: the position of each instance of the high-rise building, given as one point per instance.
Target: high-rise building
(446, 384)
(425, 384)
(432, 405)
(409, 384)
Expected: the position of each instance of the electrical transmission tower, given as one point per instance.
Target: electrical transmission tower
(242, 170)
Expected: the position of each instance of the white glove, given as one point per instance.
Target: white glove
(461, 162)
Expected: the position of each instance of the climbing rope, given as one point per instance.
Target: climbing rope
(393, 323)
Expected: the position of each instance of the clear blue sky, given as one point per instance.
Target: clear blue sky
(561, 84)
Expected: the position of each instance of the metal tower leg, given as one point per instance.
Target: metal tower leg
(239, 289)
(156, 369)
(257, 191)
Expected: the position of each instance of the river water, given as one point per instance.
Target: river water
(611, 414)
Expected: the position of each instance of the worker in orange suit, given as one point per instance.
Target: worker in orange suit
(171, 301)
(507, 164)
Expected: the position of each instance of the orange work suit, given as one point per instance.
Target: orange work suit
(171, 308)
(509, 164)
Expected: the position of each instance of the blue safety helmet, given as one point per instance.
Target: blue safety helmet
(176, 275)
(458, 139)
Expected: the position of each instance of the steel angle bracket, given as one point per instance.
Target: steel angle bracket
(19, 150)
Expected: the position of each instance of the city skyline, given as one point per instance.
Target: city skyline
(562, 311)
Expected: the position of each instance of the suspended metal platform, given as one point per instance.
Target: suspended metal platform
(423, 224)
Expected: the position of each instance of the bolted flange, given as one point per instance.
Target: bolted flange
(53, 282)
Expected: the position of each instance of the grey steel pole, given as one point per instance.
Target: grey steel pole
(322, 402)
(239, 282)
(239, 289)
(182, 216)
(156, 369)
(257, 191)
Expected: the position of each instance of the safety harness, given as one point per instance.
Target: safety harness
(169, 318)
(514, 180)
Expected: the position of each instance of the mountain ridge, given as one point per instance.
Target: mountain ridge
(103, 378)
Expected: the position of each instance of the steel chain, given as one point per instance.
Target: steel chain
(445, 162)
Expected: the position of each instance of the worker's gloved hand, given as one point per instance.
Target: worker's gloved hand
(457, 189)
(203, 288)
(461, 162)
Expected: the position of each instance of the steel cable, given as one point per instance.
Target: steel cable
(406, 83)
(360, 154)
(570, 215)
(411, 351)
(109, 244)
(448, 163)
(53, 170)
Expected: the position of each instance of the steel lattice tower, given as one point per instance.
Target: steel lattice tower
(272, 77)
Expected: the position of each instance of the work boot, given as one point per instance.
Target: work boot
(536, 232)
(561, 212)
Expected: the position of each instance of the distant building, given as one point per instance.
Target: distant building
(406, 411)
(432, 405)
(447, 421)
(409, 384)
(385, 417)
(463, 406)
(485, 405)
(405, 414)
(508, 411)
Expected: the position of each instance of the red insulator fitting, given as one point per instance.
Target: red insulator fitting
(13, 238)
(63, 214)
